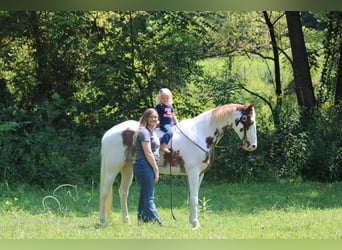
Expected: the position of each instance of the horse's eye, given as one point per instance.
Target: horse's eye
(244, 118)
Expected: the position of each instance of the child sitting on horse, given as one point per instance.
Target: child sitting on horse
(167, 116)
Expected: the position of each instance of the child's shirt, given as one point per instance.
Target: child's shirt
(165, 113)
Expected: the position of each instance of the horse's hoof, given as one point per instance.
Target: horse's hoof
(195, 227)
(127, 220)
(103, 223)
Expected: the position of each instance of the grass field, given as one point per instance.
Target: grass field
(286, 210)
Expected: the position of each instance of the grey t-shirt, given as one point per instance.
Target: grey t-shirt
(147, 135)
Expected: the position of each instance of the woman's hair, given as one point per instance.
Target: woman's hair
(147, 113)
(164, 91)
(143, 121)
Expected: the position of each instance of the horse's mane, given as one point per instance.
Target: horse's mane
(221, 113)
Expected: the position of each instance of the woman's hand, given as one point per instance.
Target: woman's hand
(150, 158)
(156, 175)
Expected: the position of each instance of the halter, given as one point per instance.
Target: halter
(246, 122)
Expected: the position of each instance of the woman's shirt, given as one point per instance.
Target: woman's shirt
(147, 135)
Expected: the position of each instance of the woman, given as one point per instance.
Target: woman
(146, 165)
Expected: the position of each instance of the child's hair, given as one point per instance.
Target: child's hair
(164, 91)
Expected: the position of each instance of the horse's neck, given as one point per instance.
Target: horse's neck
(210, 127)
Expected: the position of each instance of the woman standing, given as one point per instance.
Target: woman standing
(146, 165)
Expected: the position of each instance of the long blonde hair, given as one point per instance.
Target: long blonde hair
(147, 113)
(143, 121)
(164, 91)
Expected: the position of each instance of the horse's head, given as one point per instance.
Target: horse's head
(245, 126)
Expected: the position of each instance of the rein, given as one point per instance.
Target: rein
(187, 137)
(217, 146)
(238, 145)
(171, 176)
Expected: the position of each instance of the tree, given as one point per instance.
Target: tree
(331, 77)
(301, 69)
(278, 89)
(338, 93)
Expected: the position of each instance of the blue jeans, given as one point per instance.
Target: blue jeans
(147, 211)
(167, 128)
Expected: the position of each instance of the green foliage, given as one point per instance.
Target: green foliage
(289, 151)
(37, 153)
(325, 142)
(66, 77)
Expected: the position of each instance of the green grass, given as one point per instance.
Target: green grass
(286, 210)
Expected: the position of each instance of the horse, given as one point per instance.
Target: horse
(192, 153)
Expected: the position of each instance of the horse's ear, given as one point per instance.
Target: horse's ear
(250, 107)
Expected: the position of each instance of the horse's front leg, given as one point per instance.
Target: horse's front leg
(194, 184)
(126, 181)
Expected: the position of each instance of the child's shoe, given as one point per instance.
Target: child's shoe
(165, 149)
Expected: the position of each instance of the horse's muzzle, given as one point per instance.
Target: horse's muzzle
(248, 146)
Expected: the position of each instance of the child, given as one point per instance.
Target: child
(167, 116)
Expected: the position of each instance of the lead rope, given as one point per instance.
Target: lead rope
(187, 137)
(205, 151)
(171, 176)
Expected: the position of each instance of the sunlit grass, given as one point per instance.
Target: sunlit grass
(227, 211)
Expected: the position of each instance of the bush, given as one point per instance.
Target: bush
(325, 142)
(36, 153)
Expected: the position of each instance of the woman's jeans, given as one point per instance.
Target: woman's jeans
(146, 208)
(167, 128)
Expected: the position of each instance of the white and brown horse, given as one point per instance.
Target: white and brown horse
(192, 152)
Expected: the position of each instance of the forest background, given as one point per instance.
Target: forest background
(67, 77)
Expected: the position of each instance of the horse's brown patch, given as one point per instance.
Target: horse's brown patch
(248, 112)
(127, 137)
(209, 157)
(210, 141)
(175, 159)
(127, 141)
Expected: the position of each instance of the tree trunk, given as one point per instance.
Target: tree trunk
(275, 111)
(275, 54)
(301, 69)
(338, 93)
(44, 87)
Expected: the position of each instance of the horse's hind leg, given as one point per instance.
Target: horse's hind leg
(106, 195)
(126, 181)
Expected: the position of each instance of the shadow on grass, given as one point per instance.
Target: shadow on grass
(255, 197)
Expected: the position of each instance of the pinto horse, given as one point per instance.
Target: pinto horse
(192, 152)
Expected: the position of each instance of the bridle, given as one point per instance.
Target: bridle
(246, 122)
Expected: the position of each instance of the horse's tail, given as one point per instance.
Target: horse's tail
(106, 196)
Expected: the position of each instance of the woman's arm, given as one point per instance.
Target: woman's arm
(175, 120)
(146, 145)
